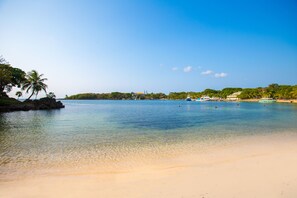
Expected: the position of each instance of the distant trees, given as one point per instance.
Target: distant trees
(155, 96)
(251, 93)
(211, 92)
(117, 96)
(207, 92)
(294, 92)
(274, 91)
(284, 91)
(177, 95)
(228, 91)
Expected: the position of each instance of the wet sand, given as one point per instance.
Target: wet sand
(255, 166)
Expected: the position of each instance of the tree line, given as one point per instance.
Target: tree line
(272, 91)
(118, 96)
(33, 83)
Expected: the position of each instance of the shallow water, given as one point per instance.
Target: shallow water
(105, 133)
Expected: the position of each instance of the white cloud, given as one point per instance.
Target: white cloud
(188, 69)
(174, 68)
(207, 72)
(220, 75)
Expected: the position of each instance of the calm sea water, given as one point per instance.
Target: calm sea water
(100, 132)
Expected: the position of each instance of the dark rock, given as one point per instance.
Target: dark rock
(42, 104)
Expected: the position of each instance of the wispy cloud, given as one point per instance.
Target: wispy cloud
(188, 69)
(174, 68)
(207, 72)
(220, 75)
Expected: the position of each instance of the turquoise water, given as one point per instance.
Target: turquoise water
(100, 132)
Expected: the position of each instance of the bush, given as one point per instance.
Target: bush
(8, 101)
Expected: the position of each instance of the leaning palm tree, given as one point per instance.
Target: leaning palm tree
(35, 83)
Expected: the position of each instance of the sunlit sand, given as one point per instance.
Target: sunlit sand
(254, 166)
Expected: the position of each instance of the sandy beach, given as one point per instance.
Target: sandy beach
(255, 166)
(148, 99)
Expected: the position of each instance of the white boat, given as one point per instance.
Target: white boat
(203, 99)
(188, 98)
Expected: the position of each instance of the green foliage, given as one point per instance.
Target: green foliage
(155, 96)
(251, 93)
(283, 92)
(14, 77)
(211, 92)
(178, 95)
(9, 77)
(294, 92)
(34, 83)
(228, 91)
(83, 96)
(271, 90)
(274, 91)
(117, 96)
(207, 92)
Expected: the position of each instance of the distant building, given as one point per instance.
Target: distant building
(234, 96)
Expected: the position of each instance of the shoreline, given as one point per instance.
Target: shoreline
(251, 166)
(223, 100)
(277, 101)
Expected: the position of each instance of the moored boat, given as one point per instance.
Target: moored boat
(188, 98)
(203, 99)
(267, 100)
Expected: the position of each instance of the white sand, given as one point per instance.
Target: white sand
(262, 166)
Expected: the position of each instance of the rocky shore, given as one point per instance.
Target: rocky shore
(10, 104)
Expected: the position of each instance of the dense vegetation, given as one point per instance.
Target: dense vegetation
(272, 91)
(14, 77)
(32, 82)
(10, 77)
(118, 96)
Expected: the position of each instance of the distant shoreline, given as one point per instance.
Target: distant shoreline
(278, 101)
(223, 100)
(282, 93)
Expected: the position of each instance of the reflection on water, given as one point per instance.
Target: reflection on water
(101, 132)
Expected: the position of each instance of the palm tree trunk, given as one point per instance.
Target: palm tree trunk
(30, 96)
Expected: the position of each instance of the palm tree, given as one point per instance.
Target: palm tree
(35, 83)
(18, 94)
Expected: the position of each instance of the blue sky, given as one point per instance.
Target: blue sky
(158, 46)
